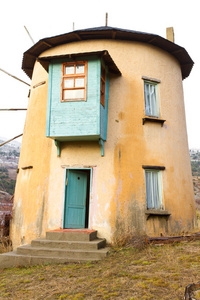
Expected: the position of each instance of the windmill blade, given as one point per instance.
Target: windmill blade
(29, 35)
(12, 109)
(14, 77)
(11, 140)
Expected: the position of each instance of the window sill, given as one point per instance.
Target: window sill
(153, 119)
(156, 212)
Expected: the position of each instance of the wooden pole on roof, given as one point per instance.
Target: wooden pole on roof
(14, 77)
(106, 19)
(29, 35)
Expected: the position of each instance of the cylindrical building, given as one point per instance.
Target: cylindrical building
(105, 142)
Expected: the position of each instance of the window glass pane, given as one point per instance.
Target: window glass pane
(153, 189)
(80, 69)
(68, 83)
(73, 94)
(69, 69)
(148, 183)
(151, 101)
(79, 82)
(147, 99)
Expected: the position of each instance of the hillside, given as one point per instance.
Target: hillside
(195, 164)
(9, 157)
(195, 161)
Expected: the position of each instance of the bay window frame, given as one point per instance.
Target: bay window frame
(74, 76)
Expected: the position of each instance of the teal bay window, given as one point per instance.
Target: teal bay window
(78, 91)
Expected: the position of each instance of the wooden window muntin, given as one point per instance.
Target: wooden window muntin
(103, 85)
(73, 78)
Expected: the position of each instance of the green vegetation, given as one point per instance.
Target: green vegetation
(150, 272)
(6, 184)
(14, 153)
(195, 163)
(195, 168)
(10, 153)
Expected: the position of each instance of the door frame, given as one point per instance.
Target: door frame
(65, 190)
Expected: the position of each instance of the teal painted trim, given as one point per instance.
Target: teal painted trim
(101, 143)
(64, 202)
(76, 138)
(65, 188)
(106, 103)
(104, 110)
(99, 94)
(57, 143)
(90, 196)
(48, 116)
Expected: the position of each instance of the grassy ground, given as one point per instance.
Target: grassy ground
(153, 272)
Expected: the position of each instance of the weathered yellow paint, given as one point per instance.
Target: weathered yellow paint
(117, 200)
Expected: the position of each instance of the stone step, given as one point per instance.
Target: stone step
(12, 259)
(28, 250)
(72, 235)
(69, 245)
(59, 246)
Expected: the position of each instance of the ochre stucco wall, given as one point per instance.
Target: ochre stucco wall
(117, 200)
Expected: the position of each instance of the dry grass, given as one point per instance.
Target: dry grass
(5, 245)
(153, 272)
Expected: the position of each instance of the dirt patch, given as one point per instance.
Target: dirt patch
(12, 173)
(154, 272)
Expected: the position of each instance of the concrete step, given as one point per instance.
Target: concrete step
(28, 250)
(72, 235)
(69, 245)
(59, 246)
(12, 259)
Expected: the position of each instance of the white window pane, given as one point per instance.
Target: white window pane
(153, 189)
(147, 99)
(151, 101)
(68, 83)
(73, 94)
(80, 69)
(148, 182)
(69, 69)
(79, 82)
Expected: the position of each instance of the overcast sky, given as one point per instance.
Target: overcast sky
(48, 18)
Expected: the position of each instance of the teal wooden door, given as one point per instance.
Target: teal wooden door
(75, 199)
